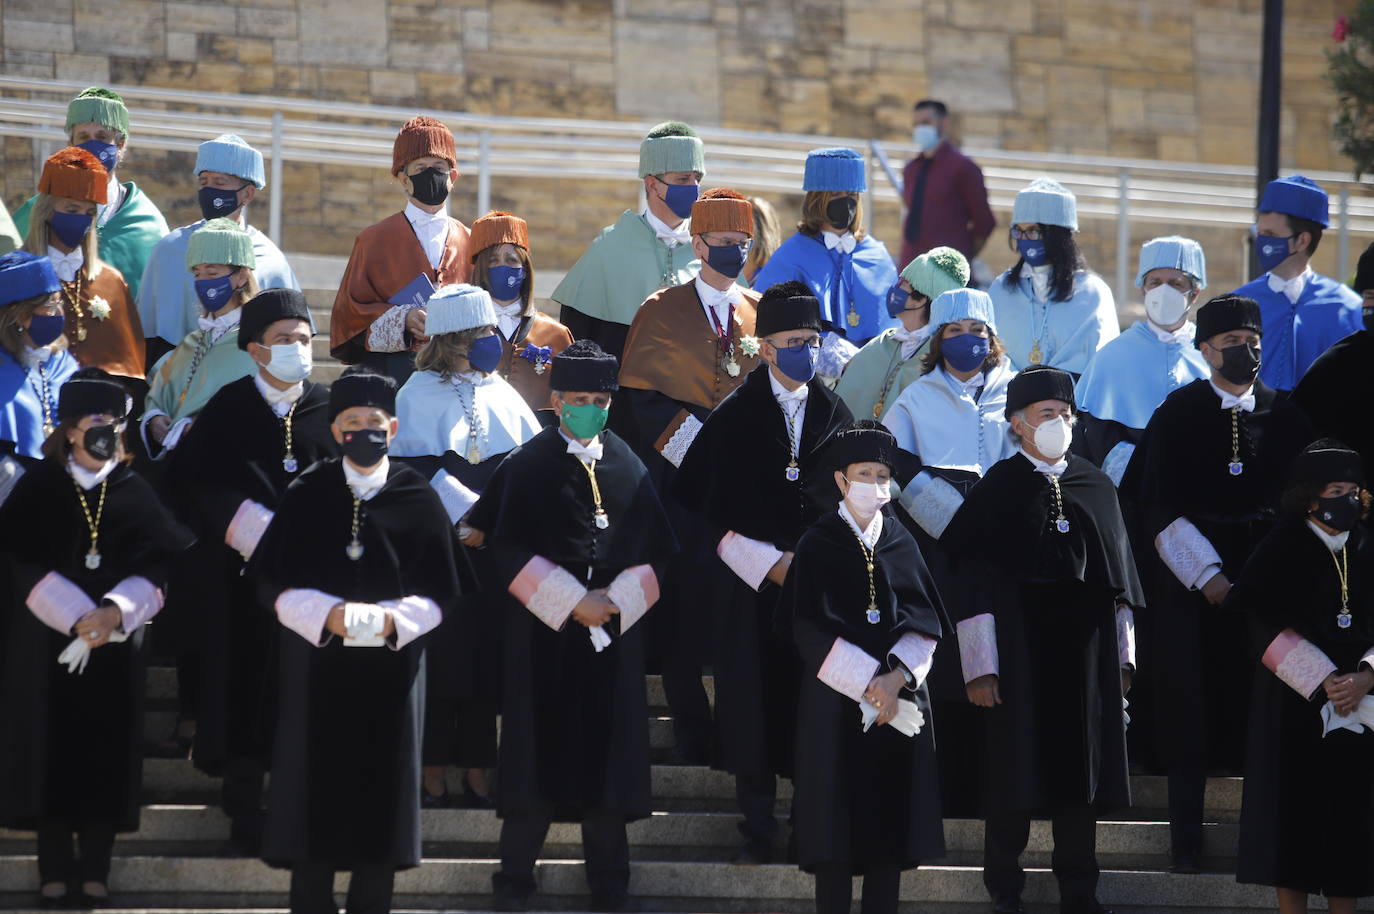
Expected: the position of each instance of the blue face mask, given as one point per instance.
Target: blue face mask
(896, 300)
(680, 197)
(44, 328)
(965, 352)
(725, 259)
(798, 364)
(506, 282)
(107, 153)
(484, 353)
(216, 201)
(215, 293)
(1032, 252)
(1272, 251)
(70, 228)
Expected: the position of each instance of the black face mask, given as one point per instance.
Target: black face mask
(840, 211)
(100, 441)
(366, 447)
(1240, 364)
(430, 186)
(1339, 512)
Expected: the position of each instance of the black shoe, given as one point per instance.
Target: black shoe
(753, 853)
(245, 834)
(1092, 906)
(621, 902)
(472, 799)
(433, 801)
(83, 901)
(55, 902)
(509, 894)
(1008, 907)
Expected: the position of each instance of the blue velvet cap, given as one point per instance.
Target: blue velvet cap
(1299, 196)
(24, 276)
(835, 169)
(230, 155)
(1173, 251)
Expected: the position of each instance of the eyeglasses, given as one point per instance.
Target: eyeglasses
(744, 245)
(798, 343)
(1018, 234)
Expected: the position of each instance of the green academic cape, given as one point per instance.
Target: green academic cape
(624, 266)
(877, 375)
(223, 362)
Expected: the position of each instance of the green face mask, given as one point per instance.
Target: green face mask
(584, 421)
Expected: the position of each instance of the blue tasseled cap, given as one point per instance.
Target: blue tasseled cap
(24, 276)
(230, 155)
(836, 169)
(1299, 196)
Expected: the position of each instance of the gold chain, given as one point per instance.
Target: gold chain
(599, 514)
(92, 524)
(286, 422)
(1343, 572)
(45, 395)
(74, 299)
(1061, 523)
(201, 349)
(1235, 434)
(793, 440)
(872, 591)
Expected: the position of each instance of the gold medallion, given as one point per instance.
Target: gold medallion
(853, 317)
(1035, 354)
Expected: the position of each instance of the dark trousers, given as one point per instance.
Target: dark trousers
(604, 844)
(57, 858)
(757, 796)
(241, 797)
(369, 889)
(835, 890)
(459, 732)
(1074, 860)
(679, 643)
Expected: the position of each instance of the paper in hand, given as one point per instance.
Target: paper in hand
(908, 722)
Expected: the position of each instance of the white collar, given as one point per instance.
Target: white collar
(869, 534)
(719, 299)
(86, 479)
(978, 380)
(1049, 469)
(1334, 542)
(782, 393)
(365, 486)
(1183, 334)
(1245, 401)
(66, 265)
(586, 453)
(911, 340)
(665, 232)
(114, 195)
(515, 309)
(33, 357)
(1291, 288)
(275, 396)
(218, 326)
(418, 216)
(1040, 280)
(846, 242)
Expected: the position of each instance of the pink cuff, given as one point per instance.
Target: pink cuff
(1300, 664)
(548, 591)
(138, 600)
(304, 611)
(917, 653)
(750, 559)
(633, 591)
(58, 603)
(1125, 635)
(412, 616)
(978, 646)
(246, 529)
(848, 669)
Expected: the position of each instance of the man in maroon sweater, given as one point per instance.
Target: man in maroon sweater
(946, 200)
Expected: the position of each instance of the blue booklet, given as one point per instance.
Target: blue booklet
(416, 293)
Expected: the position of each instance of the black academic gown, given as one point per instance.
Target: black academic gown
(1335, 391)
(1307, 817)
(73, 744)
(861, 799)
(233, 452)
(346, 758)
(1058, 739)
(734, 476)
(1180, 469)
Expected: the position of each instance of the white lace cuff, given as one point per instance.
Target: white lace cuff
(388, 332)
(978, 646)
(931, 502)
(1299, 664)
(1116, 462)
(305, 611)
(917, 653)
(1187, 553)
(848, 669)
(679, 437)
(412, 617)
(10, 472)
(750, 559)
(246, 529)
(58, 603)
(1125, 636)
(457, 498)
(633, 591)
(138, 600)
(547, 590)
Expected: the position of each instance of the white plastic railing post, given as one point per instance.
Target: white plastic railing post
(277, 191)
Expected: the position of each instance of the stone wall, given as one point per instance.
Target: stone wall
(1170, 79)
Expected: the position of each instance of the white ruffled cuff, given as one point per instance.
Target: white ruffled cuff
(675, 448)
(1187, 553)
(412, 617)
(305, 611)
(848, 669)
(1299, 664)
(246, 529)
(1125, 635)
(58, 603)
(138, 599)
(633, 591)
(931, 502)
(978, 646)
(457, 498)
(388, 332)
(750, 559)
(547, 590)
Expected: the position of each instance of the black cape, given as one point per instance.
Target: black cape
(861, 799)
(73, 744)
(734, 477)
(346, 757)
(1335, 391)
(232, 452)
(1307, 818)
(574, 737)
(1058, 738)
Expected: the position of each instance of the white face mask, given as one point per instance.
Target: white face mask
(925, 136)
(291, 362)
(865, 498)
(1165, 305)
(1052, 437)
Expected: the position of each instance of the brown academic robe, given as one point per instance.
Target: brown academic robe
(529, 381)
(114, 342)
(386, 258)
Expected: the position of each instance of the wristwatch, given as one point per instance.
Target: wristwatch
(906, 675)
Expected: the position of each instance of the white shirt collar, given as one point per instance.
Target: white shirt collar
(218, 326)
(870, 533)
(419, 217)
(665, 232)
(508, 316)
(1049, 469)
(36, 356)
(279, 400)
(586, 453)
(911, 340)
(66, 265)
(1040, 280)
(85, 478)
(969, 386)
(715, 301)
(365, 486)
(1334, 542)
(845, 242)
(1245, 401)
(1183, 334)
(782, 393)
(1291, 288)
(114, 195)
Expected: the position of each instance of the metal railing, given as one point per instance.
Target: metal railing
(306, 130)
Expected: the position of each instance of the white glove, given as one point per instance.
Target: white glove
(365, 623)
(908, 722)
(1355, 723)
(78, 653)
(1125, 716)
(600, 640)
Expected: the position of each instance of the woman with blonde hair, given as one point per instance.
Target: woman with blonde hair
(767, 237)
(34, 361)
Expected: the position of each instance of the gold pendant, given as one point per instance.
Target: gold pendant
(853, 317)
(474, 453)
(81, 334)
(1035, 354)
(878, 409)
(732, 368)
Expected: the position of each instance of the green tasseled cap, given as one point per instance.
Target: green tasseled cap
(937, 271)
(671, 146)
(100, 106)
(220, 241)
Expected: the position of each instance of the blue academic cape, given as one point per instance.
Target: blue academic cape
(1133, 374)
(21, 415)
(1295, 334)
(1073, 330)
(863, 277)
